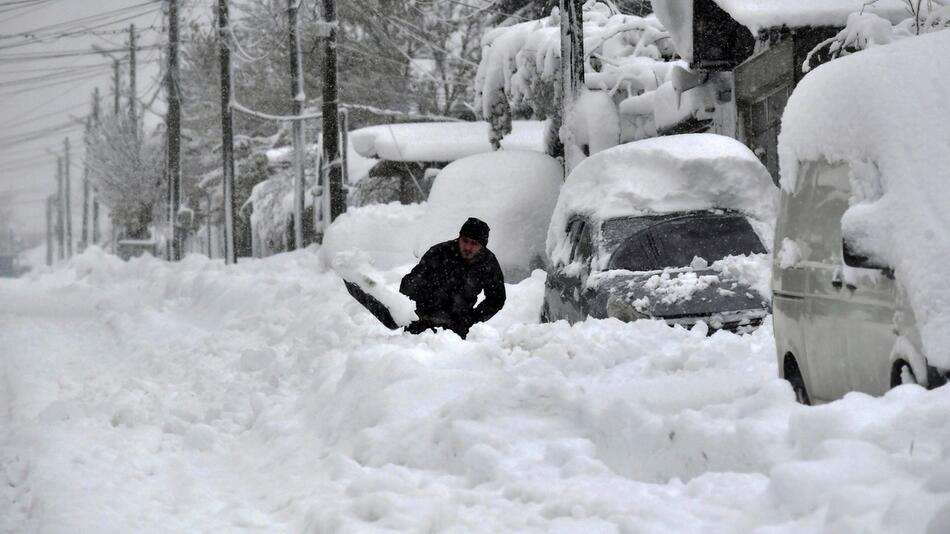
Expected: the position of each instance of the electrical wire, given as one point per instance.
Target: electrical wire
(30, 56)
(82, 21)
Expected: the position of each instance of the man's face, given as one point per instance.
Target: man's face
(468, 248)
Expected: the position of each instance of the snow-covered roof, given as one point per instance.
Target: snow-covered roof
(884, 110)
(759, 14)
(441, 141)
(664, 175)
(677, 15)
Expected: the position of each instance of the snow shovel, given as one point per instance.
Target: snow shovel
(374, 306)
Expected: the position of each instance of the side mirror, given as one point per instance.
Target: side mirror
(854, 259)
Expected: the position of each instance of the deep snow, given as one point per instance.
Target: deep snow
(155, 397)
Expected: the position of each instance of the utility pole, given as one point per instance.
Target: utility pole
(227, 132)
(60, 196)
(116, 85)
(298, 97)
(572, 74)
(344, 146)
(132, 86)
(50, 200)
(84, 240)
(173, 131)
(95, 198)
(331, 133)
(69, 213)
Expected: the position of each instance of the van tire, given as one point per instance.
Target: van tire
(794, 376)
(897, 374)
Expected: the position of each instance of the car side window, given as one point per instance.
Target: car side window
(584, 248)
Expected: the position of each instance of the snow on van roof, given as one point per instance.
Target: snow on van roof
(884, 111)
(664, 175)
(442, 141)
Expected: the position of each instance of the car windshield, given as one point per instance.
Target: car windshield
(674, 242)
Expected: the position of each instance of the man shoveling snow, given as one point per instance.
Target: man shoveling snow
(444, 285)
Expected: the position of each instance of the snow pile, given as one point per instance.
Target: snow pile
(663, 175)
(514, 192)
(884, 112)
(625, 56)
(441, 141)
(147, 397)
(388, 231)
(670, 287)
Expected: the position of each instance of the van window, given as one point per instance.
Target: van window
(828, 188)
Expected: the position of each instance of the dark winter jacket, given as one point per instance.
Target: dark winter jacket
(445, 288)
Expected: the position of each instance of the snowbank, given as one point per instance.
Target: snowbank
(663, 175)
(441, 141)
(884, 111)
(514, 192)
(145, 396)
(386, 231)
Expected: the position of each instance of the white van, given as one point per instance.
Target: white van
(853, 141)
(841, 322)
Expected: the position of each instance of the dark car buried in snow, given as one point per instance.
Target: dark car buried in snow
(669, 228)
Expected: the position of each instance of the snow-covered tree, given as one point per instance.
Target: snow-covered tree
(626, 56)
(127, 171)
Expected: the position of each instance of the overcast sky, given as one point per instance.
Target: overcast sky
(45, 100)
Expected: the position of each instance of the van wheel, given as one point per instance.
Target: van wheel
(902, 373)
(794, 376)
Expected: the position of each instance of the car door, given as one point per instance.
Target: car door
(822, 269)
(867, 294)
(853, 305)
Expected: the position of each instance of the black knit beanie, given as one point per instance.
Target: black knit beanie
(476, 230)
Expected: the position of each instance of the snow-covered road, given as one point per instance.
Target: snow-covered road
(153, 397)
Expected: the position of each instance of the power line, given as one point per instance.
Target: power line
(30, 56)
(80, 22)
(51, 76)
(71, 79)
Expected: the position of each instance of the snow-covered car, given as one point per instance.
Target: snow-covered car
(670, 228)
(411, 154)
(861, 297)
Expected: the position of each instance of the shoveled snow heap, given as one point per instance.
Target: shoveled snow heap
(663, 175)
(884, 111)
(153, 397)
(514, 192)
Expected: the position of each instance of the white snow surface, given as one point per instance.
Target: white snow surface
(441, 141)
(514, 192)
(386, 232)
(663, 175)
(883, 111)
(144, 396)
